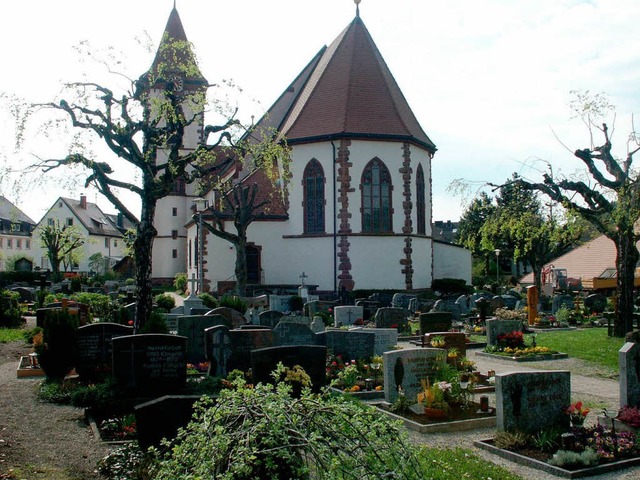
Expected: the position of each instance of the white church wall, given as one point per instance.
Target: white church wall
(451, 261)
(421, 258)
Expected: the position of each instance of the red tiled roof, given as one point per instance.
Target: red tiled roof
(586, 261)
(347, 91)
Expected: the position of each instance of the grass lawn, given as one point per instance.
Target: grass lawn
(11, 335)
(589, 344)
(457, 463)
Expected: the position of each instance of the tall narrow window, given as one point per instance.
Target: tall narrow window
(421, 205)
(313, 184)
(376, 198)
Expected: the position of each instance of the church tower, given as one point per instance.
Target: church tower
(175, 66)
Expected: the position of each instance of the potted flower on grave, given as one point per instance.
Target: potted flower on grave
(437, 341)
(432, 398)
(577, 413)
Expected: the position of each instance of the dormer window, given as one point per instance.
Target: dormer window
(16, 227)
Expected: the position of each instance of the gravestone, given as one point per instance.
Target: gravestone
(347, 316)
(287, 333)
(596, 303)
(455, 340)
(270, 318)
(296, 319)
(497, 327)
(230, 314)
(193, 327)
(93, 353)
(561, 301)
(280, 303)
(532, 401)
(385, 339)
(243, 342)
(218, 349)
(435, 322)
(356, 344)
(150, 364)
(319, 306)
(317, 325)
(310, 357)
(448, 305)
(464, 303)
(629, 362)
(171, 321)
(369, 308)
(509, 301)
(392, 318)
(175, 411)
(401, 300)
(26, 295)
(407, 368)
(497, 302)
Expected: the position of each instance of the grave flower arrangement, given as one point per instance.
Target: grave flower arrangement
(577, 413)
(354, 376)
(630, 416)
(118, 428)
(198, 368)
(512, 344)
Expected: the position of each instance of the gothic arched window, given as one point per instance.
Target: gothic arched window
(376, 198)
(421, 203)
(313, 203)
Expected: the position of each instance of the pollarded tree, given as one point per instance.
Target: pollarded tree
(472, 220)
(61, 243)
(610, 202)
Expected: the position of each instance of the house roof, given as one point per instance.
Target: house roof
(8, 211)
(587, 261)
(174, 56)
(346, 91)
(94, 220)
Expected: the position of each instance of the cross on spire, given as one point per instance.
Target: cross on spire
(303, 276)
(357, 2)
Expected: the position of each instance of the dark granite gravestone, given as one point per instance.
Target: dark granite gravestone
(243, 342)
(401, 300)
(310, 357)
(497, 327)
(392, 318)
(150, 364)
(270, 318)
(407, 368)
(293, 334)
(629, 362)
(26, 295)
(509, 301)
(250, 326)
(235, 317)
(356, 344)
(497, 302)
(369, 308)
(448, 305)
(385, 338)
(162, 417)
(93, 352)
(193, 328)
(218, 350)
(595, 303)
(435, 322)
(532, 401)
(455, 340)
(562, 300)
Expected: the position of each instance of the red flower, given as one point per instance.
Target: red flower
(130, 322)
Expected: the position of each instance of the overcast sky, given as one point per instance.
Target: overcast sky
(489, 80)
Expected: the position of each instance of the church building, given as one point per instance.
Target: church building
(357, 210)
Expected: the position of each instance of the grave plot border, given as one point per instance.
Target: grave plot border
(443, 427)
(528, 358)
(362, 395)
(487, 445)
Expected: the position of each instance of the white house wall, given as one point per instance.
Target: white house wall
(451, 261)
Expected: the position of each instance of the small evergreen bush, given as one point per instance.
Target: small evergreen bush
(56, 353)
(10, 315)
(180, 282)
(208, 300)
(235, 303)
(165, 302)
(155, 324)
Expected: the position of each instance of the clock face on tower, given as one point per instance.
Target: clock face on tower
(178, 82)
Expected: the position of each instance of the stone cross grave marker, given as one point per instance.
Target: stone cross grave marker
(407, 368)
(629, 362)
(532, 401)
(347, 316)
(93, 355)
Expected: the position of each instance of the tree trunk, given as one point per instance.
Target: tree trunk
(143, 248)
(626, 260)
(486, 264)
(241, 262)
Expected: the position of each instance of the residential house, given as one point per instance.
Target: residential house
(15, 235)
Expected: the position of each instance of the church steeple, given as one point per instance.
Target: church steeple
(174, 56)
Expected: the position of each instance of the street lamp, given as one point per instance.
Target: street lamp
(497, 265)
(201, 205)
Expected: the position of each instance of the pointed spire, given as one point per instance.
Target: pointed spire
(357, 2)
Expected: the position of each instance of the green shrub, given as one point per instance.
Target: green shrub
(56, 354)
(125, 462)
(130, 281)
(566, 458)
(261, 433)
(235, 303)
(100, 305)
(165, 302)
(180, 282)
(29, 334)
(10, 315)
(208, 300)
(76, 284)
(510, 440)
(155, 324)
(563, 314)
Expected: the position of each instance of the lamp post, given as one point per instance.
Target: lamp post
(201, 205)
(497, 265)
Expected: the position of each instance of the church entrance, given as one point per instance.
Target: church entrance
(254, 265)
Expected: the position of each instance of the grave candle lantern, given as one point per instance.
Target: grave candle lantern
(484, 403)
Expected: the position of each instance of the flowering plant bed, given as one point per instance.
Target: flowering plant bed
(524, 358)
(354, 376)
(114, 430)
